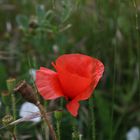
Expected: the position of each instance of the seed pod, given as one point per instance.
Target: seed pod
(58, 115)
(11, 84)
(33, 23)
(26, 91)
(7, 119)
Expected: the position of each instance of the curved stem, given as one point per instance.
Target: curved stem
(14, 136)
(43, 113)
(93, 129)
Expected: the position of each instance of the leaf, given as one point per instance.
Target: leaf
(22, 21)
(40, 12)
(103, 112)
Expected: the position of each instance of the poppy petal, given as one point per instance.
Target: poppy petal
(48, 84)
(79, 64)
(97, 74)
(85, 94)
(78, 74)
(73, 107)
(72, 84)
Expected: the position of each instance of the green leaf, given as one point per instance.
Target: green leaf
(22, 21)
(103, 112)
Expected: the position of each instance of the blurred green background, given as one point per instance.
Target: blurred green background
(34, 33)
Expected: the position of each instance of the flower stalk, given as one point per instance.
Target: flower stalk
(14, 136)
(58, 116)
(75, 133)
(93, 129)
(6, 101)
(10, 85)
(43, 113)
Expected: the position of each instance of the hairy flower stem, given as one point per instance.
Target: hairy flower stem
(45, 126)
(58, 129)
(14, 136)
(7, 110)
(75, 133)
(58, 117)
(46, 129)
(93, 130)
(10, 86)
(14, 109)
(43, 112)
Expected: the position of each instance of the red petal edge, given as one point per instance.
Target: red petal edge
(48, 84)
(97, 74)
(73, 107)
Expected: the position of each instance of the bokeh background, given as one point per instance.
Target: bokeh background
(34, 33)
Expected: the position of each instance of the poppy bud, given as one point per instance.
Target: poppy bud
(26, 91)
(33, 23)
(11, 84)
(58, 115)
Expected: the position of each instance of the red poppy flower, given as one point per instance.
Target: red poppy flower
(75, 79)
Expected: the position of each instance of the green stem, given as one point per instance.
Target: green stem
(14, 110)
(58, 130)
(75, 132)
(137, 40)
(93, 129)
(46, 129)
(7, 110)
(80, 137)
(13, 136)
(43, 113)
